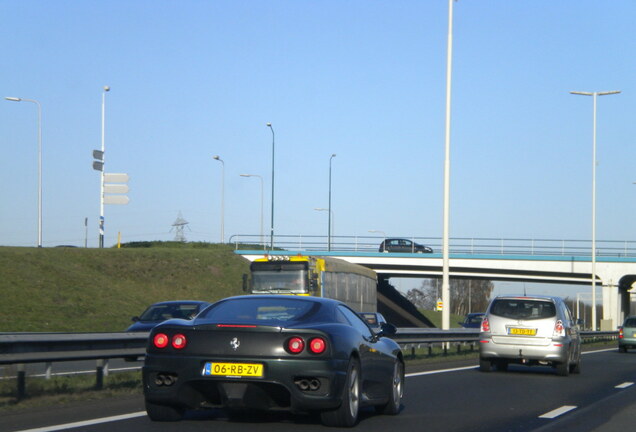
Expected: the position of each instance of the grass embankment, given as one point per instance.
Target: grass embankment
(60, 390)
(99, 290)
(436, 318)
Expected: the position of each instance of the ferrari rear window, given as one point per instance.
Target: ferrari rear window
(523, 309)
(260, 311)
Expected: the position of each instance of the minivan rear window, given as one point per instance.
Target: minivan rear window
(523, 309)
(630, 322)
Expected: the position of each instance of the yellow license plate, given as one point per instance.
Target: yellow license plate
(522, 331)
(233, 369)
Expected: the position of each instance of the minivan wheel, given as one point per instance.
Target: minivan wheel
(563, 369)
(576, 367)
(484, 365)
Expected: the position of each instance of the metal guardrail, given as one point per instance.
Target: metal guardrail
(21, 348)
(18, 348)
(457, 245)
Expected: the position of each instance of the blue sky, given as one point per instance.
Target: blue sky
(362, 79)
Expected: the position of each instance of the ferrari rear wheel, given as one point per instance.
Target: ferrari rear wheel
(392, 407)
(346, 414)
(163, 413)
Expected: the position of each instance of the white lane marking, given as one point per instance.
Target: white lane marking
(440, 371)
(557, 412)
(624, 385)
(86, 423)
(598, 351)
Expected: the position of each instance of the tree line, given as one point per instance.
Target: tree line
(466, 295)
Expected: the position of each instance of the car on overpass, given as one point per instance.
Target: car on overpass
(403, 245)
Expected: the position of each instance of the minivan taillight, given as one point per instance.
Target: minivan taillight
(620, 333)
(485, 325)
(559, 330)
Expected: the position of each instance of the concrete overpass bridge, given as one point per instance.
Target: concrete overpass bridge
(522, 260)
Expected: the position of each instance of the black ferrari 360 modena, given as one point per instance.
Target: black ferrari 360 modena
(271, 352)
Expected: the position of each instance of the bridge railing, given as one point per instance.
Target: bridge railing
(457, 245)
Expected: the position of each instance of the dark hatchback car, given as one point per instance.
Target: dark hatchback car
(162, 311)
(473, 320)
(403, 245)
(272, 352)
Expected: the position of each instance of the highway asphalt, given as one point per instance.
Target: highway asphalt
(444, 397)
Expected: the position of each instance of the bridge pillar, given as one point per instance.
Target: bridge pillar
(612, 313)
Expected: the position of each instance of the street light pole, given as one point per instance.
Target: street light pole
(446, 229)
(329, 228)
(594, 96)
(101, 174)
(261, 179)
(271, 245)
(331, 224)
(216, 157)
(16, 99)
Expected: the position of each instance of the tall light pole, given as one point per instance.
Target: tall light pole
(271, 245)
(330, 222)
(446, 229)
(16, 99)
(216, 157)
(101, 174)
(261, 179)
(329, 228)
(594, 95)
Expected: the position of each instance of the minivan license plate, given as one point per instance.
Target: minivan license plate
(522, 331)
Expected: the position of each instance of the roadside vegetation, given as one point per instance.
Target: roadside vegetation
(99, 290)
(59, 390)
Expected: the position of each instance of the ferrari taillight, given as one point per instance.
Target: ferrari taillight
(295, 345)
(178, 341)
(317, 345)
(160, 340)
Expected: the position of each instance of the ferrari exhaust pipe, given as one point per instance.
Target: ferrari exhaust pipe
(165, 379)
(314, 384)
(303, 384)
(308, 384)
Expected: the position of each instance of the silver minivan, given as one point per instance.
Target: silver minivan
(530, 330)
